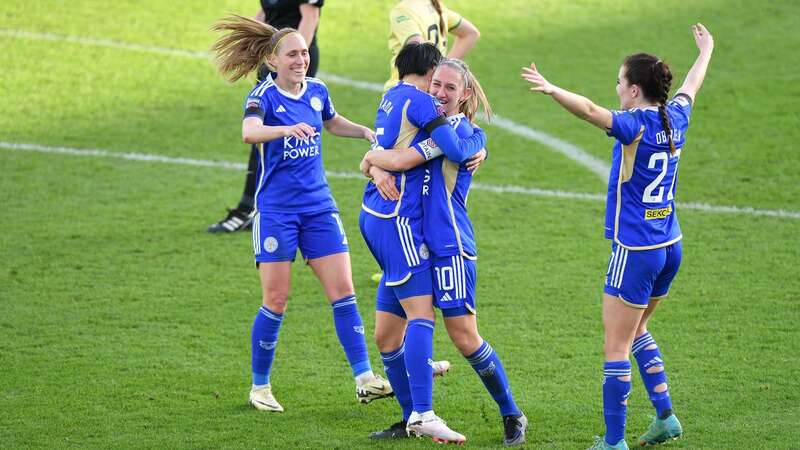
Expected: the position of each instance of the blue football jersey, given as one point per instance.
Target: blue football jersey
(290, 177)
(446, 225)
(403, 114)
(640, 208)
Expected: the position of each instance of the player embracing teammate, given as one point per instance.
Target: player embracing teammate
(449, 235)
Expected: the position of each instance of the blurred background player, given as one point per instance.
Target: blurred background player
(392, 228)
(284, 115)
(448, 233)
(302, 15)
(650, 132)
(428, 21)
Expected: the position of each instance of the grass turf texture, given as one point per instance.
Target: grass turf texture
(124, 325)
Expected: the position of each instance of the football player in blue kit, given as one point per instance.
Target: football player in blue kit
(392, 228)
(641, 221)
(449, 235)
(285, 115)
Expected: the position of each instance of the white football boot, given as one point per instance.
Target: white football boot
(440, 368)
(373, 389)
(430, 425)
(263, 400)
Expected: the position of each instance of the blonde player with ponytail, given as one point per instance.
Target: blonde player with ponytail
(284, 115)
(450, 238)
(428, 21)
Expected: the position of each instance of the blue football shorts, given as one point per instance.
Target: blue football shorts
(388, 298)
(277, 236)
(636, 276)
(397, 245)
(454, 281)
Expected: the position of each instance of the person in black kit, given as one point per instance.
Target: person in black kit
(302, 15)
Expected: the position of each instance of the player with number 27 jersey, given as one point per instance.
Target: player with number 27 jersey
(640, 208)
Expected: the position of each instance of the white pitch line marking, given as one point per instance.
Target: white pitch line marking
(571, 151)
(500, 189)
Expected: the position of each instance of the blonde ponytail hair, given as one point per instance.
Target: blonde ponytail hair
(470, 106)
(245, 44)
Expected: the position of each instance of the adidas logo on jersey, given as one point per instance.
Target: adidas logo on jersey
(280, 109)
(446, 298)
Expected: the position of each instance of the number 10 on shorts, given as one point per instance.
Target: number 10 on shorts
(444, 278)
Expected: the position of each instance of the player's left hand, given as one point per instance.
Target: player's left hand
(476, 160)
(540, 84)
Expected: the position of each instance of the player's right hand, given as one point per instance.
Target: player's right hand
(301, 130)
(703, 39)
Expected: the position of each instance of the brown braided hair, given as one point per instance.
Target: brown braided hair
(437, 5)
(246, 44)
(655, 79)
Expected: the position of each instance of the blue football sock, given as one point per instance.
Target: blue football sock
(264, 339)
(650, 358)
(418, 353)
(350, 330)
(615, 399)
(488, 366)
(394, 364)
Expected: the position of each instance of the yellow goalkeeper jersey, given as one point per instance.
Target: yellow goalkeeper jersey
(411, 18)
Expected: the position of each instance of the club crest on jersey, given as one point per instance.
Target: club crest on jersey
(270, 244)
(423, 251)
(659, 213)
(316, 103)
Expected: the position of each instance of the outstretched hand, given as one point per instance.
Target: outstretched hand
(703, 39)
(540, 84)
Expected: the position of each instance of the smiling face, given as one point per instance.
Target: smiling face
(291, 59)
(448, 87)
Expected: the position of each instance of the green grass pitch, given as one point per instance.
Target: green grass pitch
(124, 325)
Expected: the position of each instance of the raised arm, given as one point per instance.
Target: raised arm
(694, 79)
(467, 36)
(572, 102)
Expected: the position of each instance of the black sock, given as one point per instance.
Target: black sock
(664, 414)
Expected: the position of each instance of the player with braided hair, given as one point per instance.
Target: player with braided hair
(641, 221)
